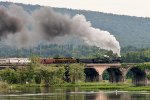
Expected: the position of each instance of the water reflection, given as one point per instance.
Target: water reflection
(71, 94)
(113, 96)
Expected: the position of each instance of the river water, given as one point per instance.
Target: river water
(72, 94)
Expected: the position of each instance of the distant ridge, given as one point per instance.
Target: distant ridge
(129, 30)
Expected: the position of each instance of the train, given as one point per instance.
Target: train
(77, 60)
(57, 60)
(68, 60)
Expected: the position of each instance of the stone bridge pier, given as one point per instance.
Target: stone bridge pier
(94, 72)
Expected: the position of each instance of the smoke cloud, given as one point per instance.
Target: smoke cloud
(8, 23)
(44, 24)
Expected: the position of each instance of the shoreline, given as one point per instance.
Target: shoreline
(85, 86)
(88, 86)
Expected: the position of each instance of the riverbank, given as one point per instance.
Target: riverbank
(91, 86)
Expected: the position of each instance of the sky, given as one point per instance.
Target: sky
(140, 8)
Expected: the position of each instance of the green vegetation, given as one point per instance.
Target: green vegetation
(122, 87)
(139, 56)
(46, 75)
(54, 50)
(80, 51)
(37, 75)
(92, 86)
(77, 73)
(144, 66)
(108, 86)
(4, 87)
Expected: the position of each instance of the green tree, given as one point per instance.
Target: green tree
(8, 75)
(76, 72)
(25, 74)
(49, 75)
(42, 75)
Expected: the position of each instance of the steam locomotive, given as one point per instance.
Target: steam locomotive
(73, 60)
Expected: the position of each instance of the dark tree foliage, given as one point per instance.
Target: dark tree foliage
(136, 56)
(53, 50)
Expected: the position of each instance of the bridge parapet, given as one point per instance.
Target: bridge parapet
(104, 65)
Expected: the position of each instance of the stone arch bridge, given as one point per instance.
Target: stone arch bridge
(117, 73)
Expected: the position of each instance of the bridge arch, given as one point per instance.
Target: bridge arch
(138, 76)
(91, 74)
(115, 75)
(96, 74)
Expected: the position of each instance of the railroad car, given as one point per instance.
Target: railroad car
(57, 60)
(47, 60)
(15, 61)
(65, 60)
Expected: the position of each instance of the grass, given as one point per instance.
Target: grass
(92, 86)
(108, 86)
(139, 88)
(102, 86)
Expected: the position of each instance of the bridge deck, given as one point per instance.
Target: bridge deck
(104, 64)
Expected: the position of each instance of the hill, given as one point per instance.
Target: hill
(128, 30)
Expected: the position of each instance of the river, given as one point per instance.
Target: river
(72, 94)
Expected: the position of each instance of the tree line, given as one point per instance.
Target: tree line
(136, 56)
(129, 54)
(44, 75)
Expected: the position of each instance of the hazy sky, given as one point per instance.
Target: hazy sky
(125, 7)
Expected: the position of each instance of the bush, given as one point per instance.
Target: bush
(25, 75)
(3, 86)
(49, 75)
(57, 75)
(76, 72)
(148, 76)
(8, 75)
(44, 75)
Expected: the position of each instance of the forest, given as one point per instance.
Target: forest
(129, 54)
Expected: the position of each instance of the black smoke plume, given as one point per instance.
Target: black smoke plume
(8, 24)
(44, 24)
